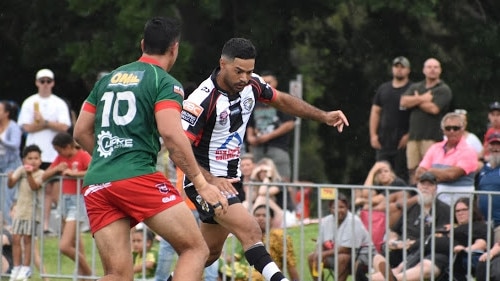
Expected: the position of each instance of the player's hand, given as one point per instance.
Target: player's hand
(336, 119)
(217, 201)
(225, 185)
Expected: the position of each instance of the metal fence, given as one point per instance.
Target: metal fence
(311, 205)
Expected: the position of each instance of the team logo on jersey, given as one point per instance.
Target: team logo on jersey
(178, 90)
(126, 78)
(223, 118)
(107, 143)
(191, 112)
(248, 104)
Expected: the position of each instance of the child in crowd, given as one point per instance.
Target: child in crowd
(25, 221)
(71, 163)
(143, 253)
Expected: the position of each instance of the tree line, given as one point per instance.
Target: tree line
(343, 49)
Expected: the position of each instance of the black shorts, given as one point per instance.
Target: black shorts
(205, 211)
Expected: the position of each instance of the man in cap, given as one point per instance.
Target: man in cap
(489, 180)
(388, 121)
(429, 100)
(494, 125)
(452, 161)
(412, 220)
(42, 116)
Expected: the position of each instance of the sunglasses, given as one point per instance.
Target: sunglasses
(452, 128)
(45, 81)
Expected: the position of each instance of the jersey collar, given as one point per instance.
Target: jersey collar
(149, 60)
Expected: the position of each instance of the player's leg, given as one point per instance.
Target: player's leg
(113, 244)
(178, 226)
(243, 225)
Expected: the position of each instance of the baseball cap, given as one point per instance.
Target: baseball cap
(401, 60)
(494, 106)
(428, 176)
(495, 137)
(44, 73)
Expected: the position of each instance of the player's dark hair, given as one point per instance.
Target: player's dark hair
(63, 140)
(31, 148)
(159, 34)
(239, 48)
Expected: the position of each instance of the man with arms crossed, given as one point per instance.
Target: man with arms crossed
(429, 100)
(389, 122)
(120, 125)
(215, 117)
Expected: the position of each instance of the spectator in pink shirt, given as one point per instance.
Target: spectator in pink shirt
(452, 161)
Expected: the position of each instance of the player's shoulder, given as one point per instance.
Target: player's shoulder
(202, 91)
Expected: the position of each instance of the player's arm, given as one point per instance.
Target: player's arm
(282, 129)
(84, 128)
(295, 106)
(170, 128)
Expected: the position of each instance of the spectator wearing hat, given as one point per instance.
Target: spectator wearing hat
(389, 122)
(42, 116)
(494, 125)
(429, 100)
(489, 180)
(411, 225)
(452, 161)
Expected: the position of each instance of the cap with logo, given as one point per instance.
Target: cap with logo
(402, 61)
(494, 106)
(495, 137)
(428, 176)
(44, 73)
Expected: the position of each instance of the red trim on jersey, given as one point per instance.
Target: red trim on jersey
(164, 104)
(89, 107)
(149, 60)
(190, 135)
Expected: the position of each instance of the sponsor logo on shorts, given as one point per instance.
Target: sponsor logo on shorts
(162, 188)
(168, 199)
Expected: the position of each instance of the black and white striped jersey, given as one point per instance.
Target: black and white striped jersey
(216, 122)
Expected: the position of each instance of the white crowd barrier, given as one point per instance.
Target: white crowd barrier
(312, 205)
